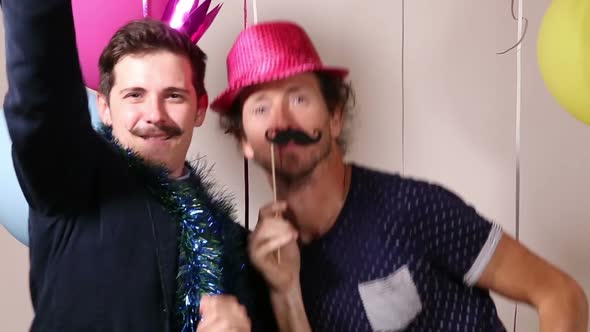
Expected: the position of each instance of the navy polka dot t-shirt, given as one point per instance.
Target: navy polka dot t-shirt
(402, 256)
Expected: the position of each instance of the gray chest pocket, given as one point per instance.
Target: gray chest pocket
(391, 303)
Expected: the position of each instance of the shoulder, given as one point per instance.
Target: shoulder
(408, 192)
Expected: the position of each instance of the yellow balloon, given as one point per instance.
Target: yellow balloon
(563, 51)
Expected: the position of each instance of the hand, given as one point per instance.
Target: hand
(222, 313)
(273, 233)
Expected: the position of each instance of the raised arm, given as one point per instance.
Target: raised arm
(46, 105)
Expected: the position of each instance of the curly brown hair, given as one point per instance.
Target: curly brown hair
(146, 36)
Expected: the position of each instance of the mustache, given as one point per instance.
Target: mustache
(158, 130)
(282, 137)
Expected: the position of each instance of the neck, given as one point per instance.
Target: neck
(178, 172)
(316, 201)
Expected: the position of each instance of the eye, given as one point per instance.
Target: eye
(260, 109)
(299, 100)
(133, 95)
(176, 96)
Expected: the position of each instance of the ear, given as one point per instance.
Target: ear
(202, 104)
(337, 122)
(247, 149)
(104, 111)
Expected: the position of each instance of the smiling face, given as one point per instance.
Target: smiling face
(153, 106)
(294, 103)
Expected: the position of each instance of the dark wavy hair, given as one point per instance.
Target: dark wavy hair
(145, 36)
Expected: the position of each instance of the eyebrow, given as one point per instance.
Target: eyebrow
(258, 97)
(132, 89)
(176, 89)
(168, 90)
(294, 88)
(291, 89)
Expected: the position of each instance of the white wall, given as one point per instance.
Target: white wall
(434, 102)
(555, 199)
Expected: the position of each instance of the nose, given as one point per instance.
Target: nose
(282, 117)
(155, 111)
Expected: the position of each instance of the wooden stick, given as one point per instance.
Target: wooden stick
(274, 177)
(274, 187)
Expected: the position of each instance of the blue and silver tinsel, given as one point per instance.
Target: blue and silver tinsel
(212, 255)
(200, 251)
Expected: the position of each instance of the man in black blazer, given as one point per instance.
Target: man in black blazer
(125, 235)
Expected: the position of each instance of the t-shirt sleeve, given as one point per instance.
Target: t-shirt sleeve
(451, 233)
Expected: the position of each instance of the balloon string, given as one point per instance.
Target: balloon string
(524, 30)
(246, 172)
(255, 11)
(245, 13)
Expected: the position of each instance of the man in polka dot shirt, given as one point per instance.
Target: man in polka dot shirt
(347, 248)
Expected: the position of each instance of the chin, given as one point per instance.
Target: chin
(296, 172)
(154, 154)
(292, 170)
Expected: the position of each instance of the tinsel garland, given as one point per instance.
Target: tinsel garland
(200, 249)
(208, 238)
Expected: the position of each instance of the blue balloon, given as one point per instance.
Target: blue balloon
(92, 108)
(14, 210)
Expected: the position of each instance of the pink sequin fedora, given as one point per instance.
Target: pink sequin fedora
(268, 52)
